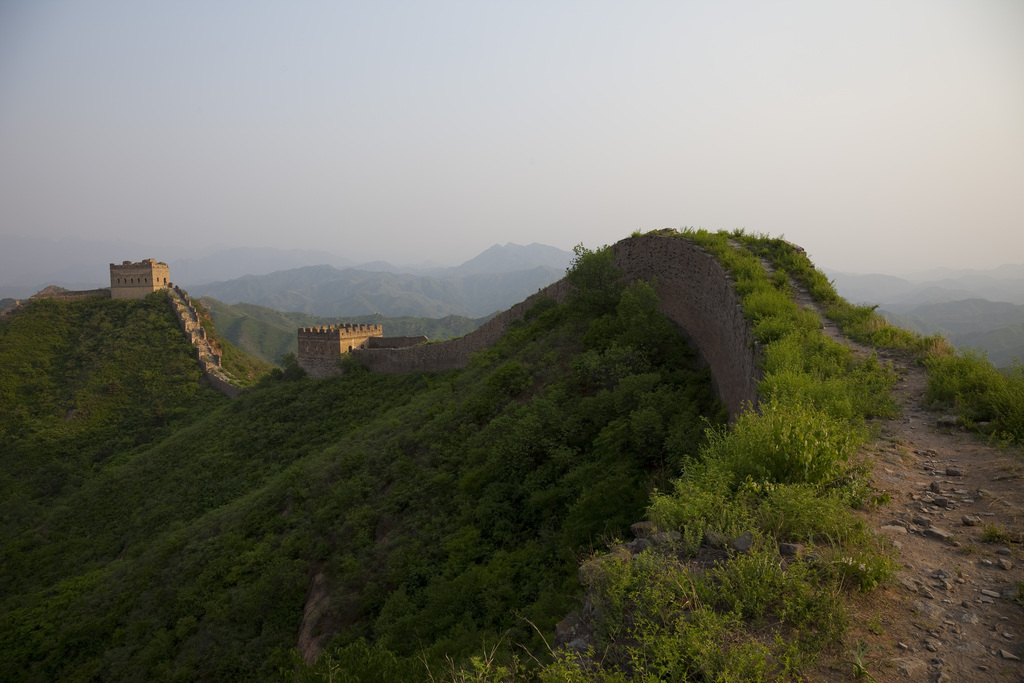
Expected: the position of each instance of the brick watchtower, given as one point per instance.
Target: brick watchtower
(320, 347)
(136, 280)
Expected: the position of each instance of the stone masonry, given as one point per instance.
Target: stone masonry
(321, 346)
(136, 280)
(694, 291)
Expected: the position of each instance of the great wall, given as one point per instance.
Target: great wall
(130, 280)
(694, 291)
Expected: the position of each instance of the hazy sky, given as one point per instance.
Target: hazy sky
(882, 136)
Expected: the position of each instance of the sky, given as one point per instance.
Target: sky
(882, 136)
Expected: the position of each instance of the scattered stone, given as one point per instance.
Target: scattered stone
(1005, 563)
(987, 600)
(1008, 636)
(954, 471)
(931, 645)
(1009, 655)
(925, 592)
(1002, 551)
(714, 539)
(908, 584)
(942, 501)
(791, 549)
(901, 645)
(637, 545)
(982, 667)
(922, 521)
(941, 574)
(991, 594)
(929, 610)
(936, 532)
(935, 486)
(943, 678)
(744, 542)
(909, 666)
(985, 563)
(894, 529)
(968, 618)
(946, 422)
(971, 520)
(664, 537)
(643, 529)
(1010, 593)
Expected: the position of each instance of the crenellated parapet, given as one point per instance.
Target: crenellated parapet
(135, 280)
(322, 345)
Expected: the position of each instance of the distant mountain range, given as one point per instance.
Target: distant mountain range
(496, 279)
(978, 309)
(897, 294)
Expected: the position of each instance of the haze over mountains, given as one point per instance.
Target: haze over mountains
(982, 309)
(978, 308)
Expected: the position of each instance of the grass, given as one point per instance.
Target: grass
(782, 473)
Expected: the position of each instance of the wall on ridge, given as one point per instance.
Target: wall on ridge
(697, 294)
(454, 353)
(694, 291)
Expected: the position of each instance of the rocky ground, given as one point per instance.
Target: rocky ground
(955, 519)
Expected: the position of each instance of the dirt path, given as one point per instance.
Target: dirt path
(952, 614)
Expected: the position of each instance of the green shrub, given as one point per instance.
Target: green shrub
(785, 443)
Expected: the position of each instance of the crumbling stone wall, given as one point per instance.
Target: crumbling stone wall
(694, 291)
(61, 294)
(207, 356)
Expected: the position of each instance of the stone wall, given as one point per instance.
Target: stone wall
(454, 353)
(695, 293)
(207, 356)
(135, 280)
(395, 342)
(61, 294)
(320, 347)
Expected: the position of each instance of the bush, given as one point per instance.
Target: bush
(785, 443)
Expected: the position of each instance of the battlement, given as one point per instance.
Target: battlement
(135, 280)
(322, 345)
(343, 331)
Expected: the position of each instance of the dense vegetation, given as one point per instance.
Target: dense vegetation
(443, 510)
(154, 530)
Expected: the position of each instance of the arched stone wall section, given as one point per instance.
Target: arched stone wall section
(695, 292)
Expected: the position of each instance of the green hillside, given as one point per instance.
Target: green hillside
(269, 334)
(437, 526)
(437, 506)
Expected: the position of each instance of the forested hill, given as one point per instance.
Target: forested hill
(153, 530)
